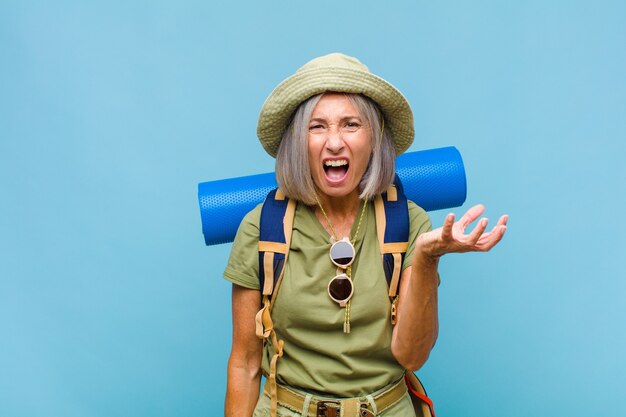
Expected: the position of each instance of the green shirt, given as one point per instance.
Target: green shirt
(318, 356)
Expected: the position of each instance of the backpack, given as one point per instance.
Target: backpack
(392, 226)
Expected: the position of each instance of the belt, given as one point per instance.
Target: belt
(340, 407)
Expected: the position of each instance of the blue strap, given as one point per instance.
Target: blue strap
(397, 225)
(271, 230)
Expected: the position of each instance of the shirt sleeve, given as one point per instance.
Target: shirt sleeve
(419, 223)
(243, 263)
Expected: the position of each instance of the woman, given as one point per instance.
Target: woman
(335, 130)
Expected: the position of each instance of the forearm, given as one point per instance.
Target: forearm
(244, 364)
(417, 324)
(242, 390)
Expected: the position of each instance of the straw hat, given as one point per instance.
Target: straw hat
(339, 73)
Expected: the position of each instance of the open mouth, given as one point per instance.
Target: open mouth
(336, 169)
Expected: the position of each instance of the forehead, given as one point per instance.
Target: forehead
(334, 104)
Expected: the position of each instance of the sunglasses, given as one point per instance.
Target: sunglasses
(340, 288)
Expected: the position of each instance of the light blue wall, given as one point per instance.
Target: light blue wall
(111, 113)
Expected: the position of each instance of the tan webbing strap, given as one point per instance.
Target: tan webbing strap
(392, 193)
(258, 324)
(287, 228)
(395, 277)
(278, 344)
(263, 321)
(381, 222)
(268, 268)
(350, 407)
(395, 247)
(288, 222)
(278, 347)
(275, 247)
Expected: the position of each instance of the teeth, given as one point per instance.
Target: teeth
(338, 163)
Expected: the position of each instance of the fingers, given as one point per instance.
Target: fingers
(446, 231)
(478, 231)
(496, 229)
(489, 240)
(454, 237)
(471, 215)
(497, 237)
(482, 241)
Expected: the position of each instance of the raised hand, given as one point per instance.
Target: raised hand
(451, 237)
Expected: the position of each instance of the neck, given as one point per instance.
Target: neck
(340, 206)
(342, 212)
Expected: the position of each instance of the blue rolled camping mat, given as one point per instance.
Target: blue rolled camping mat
(434, 179)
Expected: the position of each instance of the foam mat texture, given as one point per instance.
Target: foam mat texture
(434, 179)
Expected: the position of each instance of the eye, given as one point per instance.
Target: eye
(351, 126)
(316, 128)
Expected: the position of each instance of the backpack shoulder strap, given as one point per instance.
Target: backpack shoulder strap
(392, 227)
(274, 241)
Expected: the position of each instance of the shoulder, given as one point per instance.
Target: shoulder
(243, 262)
(247, 238)
(419, 223)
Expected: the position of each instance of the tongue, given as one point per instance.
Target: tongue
(336, 173)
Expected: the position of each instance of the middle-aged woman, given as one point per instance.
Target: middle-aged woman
(335, 130)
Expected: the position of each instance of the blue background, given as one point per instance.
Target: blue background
(112, 112)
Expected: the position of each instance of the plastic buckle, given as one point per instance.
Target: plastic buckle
(323, 409)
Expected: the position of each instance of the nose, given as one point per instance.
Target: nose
(334, 140)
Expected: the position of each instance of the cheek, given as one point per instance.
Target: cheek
(364, 152)
(312, 145)
(313, 151)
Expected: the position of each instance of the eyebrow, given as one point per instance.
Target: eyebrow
(322, 119)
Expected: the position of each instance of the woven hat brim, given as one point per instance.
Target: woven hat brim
(285, 98)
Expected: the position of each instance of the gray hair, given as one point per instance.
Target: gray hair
(293, 172)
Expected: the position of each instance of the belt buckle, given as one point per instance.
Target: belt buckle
(323, 409)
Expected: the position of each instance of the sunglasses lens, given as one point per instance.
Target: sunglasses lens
(342, 253)
(340, 288)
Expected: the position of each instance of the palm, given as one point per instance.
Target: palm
(452, 236)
